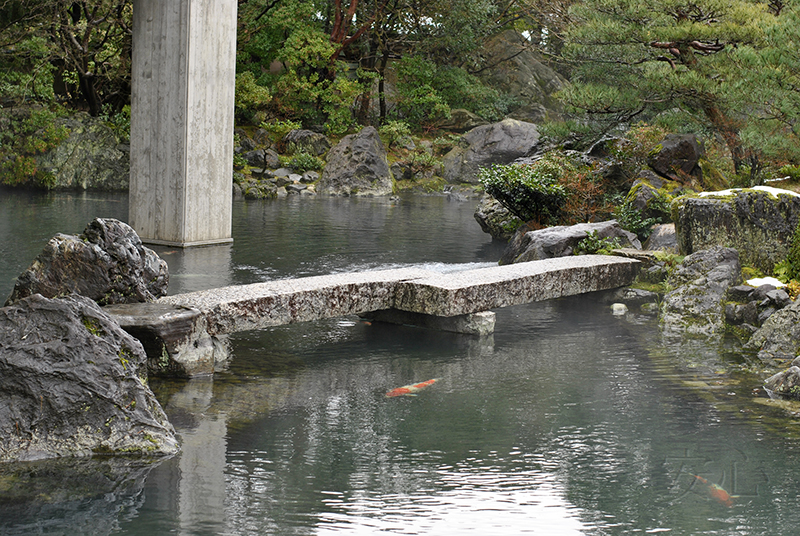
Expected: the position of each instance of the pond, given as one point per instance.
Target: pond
(567, 420)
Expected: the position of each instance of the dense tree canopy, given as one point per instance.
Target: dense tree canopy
(696, 64)
(724, 68)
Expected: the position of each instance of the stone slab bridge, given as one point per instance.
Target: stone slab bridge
(184, 335)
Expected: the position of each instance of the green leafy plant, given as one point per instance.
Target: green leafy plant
(631, 219)
(393, 132)
(594, 244)
(27, 138)
(530, 192)
(277, 129)
(302, 162)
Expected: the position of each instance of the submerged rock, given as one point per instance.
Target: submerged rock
(561, 241)
(700, 283)
(357, 166)
(758, 223)
(73, 383)
(107, 263)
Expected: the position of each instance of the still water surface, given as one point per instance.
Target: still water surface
(567, 421)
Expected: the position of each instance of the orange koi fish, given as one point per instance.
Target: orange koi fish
(717, 493)
(411, 390)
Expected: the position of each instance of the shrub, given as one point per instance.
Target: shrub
(26, 138)
(530, 192)
(279, 129)
(593, 244)
(631, 219)
(393, 132)
(302, 162)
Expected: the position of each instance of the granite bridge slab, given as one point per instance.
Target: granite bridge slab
(182, 334)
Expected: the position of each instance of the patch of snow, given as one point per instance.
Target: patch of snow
(769, 189)
(758, 281)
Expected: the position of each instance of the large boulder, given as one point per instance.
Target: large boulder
(561, 241)
(107, 263)
(779, 335)
(461, 120)
(758, 222)
(92, 157)
(515, 69)
(498, 143)
(700, 284)
(678, 158)
(357, 166)
(495, 219)
(73, 383)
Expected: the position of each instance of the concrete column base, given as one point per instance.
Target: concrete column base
(471, 324)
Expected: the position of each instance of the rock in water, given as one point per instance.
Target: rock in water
(357, 166)
(107, 263)
(73, 383)
(700, 283)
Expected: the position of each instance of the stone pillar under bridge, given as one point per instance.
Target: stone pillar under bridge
(183, 82)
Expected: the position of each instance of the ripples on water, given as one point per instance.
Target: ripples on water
(568, 420)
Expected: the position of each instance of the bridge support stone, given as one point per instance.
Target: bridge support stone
(183, 82)
(480, 324)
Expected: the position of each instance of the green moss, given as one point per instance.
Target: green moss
(93, 326)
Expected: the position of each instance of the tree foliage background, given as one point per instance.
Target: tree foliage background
(725, 69)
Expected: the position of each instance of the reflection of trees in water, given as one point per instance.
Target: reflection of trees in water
(71, 495)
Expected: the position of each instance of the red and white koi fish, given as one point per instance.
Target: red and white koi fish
(411, 390)
(717, 493)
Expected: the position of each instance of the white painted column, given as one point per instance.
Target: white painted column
(183, 83)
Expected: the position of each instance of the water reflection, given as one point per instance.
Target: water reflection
(568, 420)
(72, 496)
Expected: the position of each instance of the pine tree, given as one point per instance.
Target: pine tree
(634, 59)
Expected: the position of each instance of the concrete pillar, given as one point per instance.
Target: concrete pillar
(183, 82)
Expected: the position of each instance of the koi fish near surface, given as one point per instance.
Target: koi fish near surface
(411, 390)
(717, 493)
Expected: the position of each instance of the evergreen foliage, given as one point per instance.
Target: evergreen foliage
(530, 192)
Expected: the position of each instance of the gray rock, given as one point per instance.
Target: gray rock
(785, 384)
(495, 219)
(174, 338)
(678, 157)
(662, 238)
(306, 141)
(309, 177)
(107, 263)
(779, 336)
(756, 223)
(700, 283)
(255, 158)
(92, 157)
(515, 69)
(357, 166)
(461, 120)
(498, 143)
(561, 241)
(74, 384)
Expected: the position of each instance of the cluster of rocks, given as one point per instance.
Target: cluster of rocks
(359, 165)
(74, 383)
